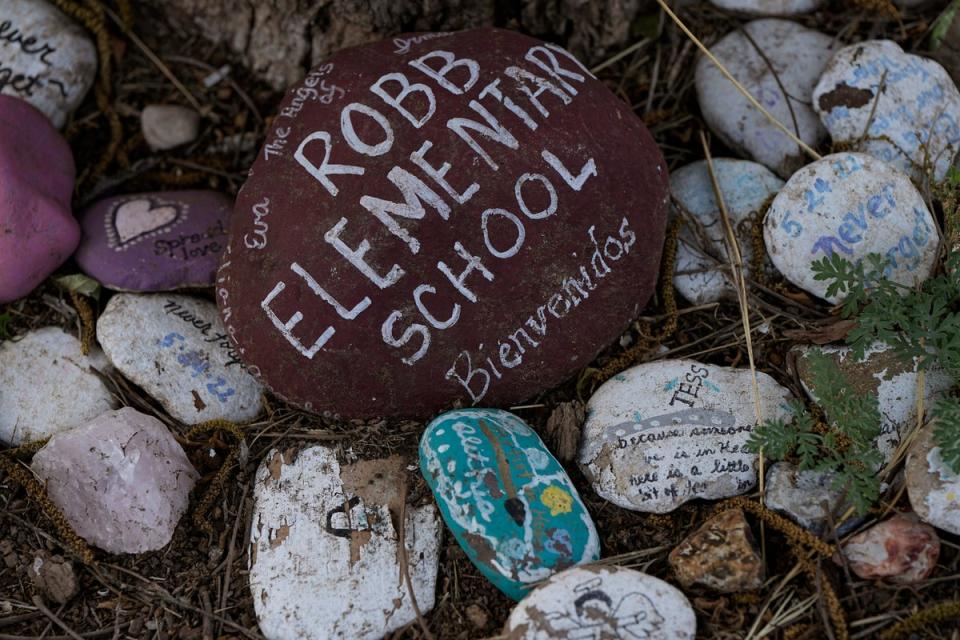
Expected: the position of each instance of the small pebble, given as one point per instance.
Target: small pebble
(54, 577)
(721, 555)
(900, 549)
(769, 7)
(167, 126)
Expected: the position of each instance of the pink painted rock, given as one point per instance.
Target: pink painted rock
(469, 220)
(901, 549)
(155, 241)
(122, 480)
(37, 230)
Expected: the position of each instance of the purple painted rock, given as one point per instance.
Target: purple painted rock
(469, 220)
(37, 230)
(155, 241)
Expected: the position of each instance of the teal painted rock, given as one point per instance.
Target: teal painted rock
(507, 500)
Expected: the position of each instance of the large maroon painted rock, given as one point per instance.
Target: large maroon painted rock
(468, 220)
(155, 241)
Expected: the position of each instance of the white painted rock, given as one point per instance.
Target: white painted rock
(769, 7)
(45, 58)
(176, 348)
(700, 274)
(883, 375)
(662, 433)
(324, 554)
(46, 386)
(602, 602)
(122, 480)
(919, 102)
(934, 489)
(853, 204)
(806, 497)
(166, 126)
(798, 56)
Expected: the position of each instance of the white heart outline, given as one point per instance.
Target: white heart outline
(113, 236)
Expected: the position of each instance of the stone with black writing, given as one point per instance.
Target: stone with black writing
(46, 58)
(852, 205)
(505, 498)
(881, 374)
(37, 229)
(47, 385)
(810, 498)
(473, 219)
(597, 601)
(900, 549)
(176, 348)
(122, 480)
(778, 62)
(932, 485)
(155, 241)
(904, 109)
(769, 7)
(702, 268)
(663, 433)
(325, 554)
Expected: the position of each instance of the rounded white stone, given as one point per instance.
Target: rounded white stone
(166, 126)
(176, 348)
(324, 554)
(769, 7)
(701, 271)
(852, 204)
(684, 427)
(919, 102)
(45, 57)
(932, 486)
(792, 61)
(47, 386)
(597, 601)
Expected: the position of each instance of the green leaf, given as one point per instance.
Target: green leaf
(80, 283)
(942, 25)
(5, 319)
(946, 431)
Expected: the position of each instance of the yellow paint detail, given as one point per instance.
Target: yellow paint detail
(557, 500)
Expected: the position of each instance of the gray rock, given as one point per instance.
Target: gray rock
(807, 497)
(933, 488)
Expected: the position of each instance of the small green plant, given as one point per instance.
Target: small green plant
(847, 450)
(4, 321)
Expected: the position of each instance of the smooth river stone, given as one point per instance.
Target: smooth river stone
(47, 386)
(155, 241)
(507, 500)
(882, 375)
(854, 204)
(933, 488)
(122, 480)
(46, 58)
(919, 103)
(176, 348)
(798, 56)
(769, 7)
(663, 433)
(37, 229)
(746, 187)
(477, 240)
(899, 549)
(324, 553)
(602, 602)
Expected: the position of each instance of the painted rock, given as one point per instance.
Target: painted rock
(663, 433)
(167, 126)
(45, 58)
(602, 602)
(900, 549)
(809, 498)
(451, 216)
(176, 348)
(48, 386)
(933, 488)
(852, 204)
(883, 375)
(914, 124)
(322, 528)
(507, 500)
(37, 229)
(122, 480)
(702, 260)
(155, 241)
(792, 54)
(721, 555)
(769, 7)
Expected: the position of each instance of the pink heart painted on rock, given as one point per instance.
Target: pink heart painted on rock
(137, 218)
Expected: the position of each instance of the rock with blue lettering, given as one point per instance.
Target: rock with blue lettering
(602, 602)
(507, 500)
(702, 268)
(778, 62)
(769, 7)
(46, 58)
(851, 204)
(901, 108)
(176, 348)
(663, 433)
